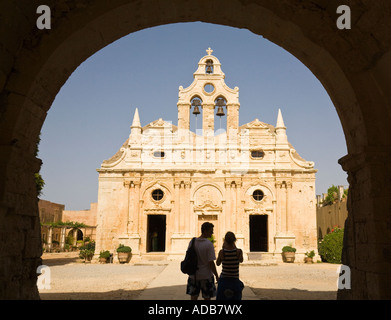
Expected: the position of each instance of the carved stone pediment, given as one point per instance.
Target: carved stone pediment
(160, 123)
(259, 210)
(208, 205)
(256, 124)
(156, 209)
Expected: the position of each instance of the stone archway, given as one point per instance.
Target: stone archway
(353, 65)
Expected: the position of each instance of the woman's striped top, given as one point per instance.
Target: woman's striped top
(230, 264)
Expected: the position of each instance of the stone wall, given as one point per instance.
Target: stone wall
(88, 216)
(50, 211)
(328, 217)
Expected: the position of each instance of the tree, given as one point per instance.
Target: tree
(332, 195)
(39, 182)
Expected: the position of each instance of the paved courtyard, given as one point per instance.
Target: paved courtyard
(71, 279)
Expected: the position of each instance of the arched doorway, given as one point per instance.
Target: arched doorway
(354, 67)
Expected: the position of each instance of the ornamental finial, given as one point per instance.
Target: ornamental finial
(209, 51)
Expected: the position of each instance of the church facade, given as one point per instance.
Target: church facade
(166, 180)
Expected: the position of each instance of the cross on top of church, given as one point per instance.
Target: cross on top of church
(209, 51)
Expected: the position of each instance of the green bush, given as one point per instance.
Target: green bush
(310, 254)
(104, 254)
(87, 251)
(288, 249)
(122, 248)
(330, 248)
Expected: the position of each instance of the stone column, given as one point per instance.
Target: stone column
(228, 211)
(186, 209)
(133, 219)
(74, 237)
(288, 188)
(232, 121)
(238, 215)
(127, 185)
(62, 238)
(50, 236)
(177, 212)
(208, 119)
(183, 120)
(367, 233)
(182, 205)
(283, 235)
(280, 213)
(133, 187)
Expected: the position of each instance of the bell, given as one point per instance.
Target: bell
(220, 112)
(209, 64)
(220, 102)
(196, 103)
(196, 110)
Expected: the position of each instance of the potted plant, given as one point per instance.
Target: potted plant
(288, 254)
(104, 256)
(87, 251)
(86, 254)
(123, 253)
(309, 256)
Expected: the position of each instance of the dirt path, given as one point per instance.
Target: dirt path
(72, 279)
(286, 281)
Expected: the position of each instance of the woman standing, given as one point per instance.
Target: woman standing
(229, 285)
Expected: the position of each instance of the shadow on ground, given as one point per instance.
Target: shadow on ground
(109, 295)
(293, 294)
(165, 293)
(61, 261)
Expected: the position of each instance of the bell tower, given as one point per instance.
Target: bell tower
(209, 92)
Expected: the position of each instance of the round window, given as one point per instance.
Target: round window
(157, 194)
(209, 88)
(258, 195)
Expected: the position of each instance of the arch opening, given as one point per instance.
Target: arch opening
(32, 93)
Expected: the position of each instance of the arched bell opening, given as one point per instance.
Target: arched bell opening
(196, 114)
(221, 115)
(209, 68)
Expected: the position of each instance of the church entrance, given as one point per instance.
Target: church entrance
(258, 233)
(156, 235)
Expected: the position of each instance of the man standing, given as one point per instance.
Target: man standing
(203, 280)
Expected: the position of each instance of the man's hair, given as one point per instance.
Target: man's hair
(206, 226)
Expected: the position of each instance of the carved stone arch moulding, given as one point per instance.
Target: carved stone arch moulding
(208, 199)
(202, 185)
(250, 188)
(154, 186)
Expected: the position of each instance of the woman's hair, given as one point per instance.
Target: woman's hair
(230, 237)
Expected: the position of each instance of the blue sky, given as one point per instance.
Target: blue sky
(91, 116)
